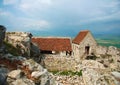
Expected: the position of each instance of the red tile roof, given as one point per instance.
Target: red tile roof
(53, 44)
(80, 36)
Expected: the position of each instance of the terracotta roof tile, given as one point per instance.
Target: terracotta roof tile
(53, 44)
(80, 36)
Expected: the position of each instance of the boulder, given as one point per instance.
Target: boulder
(23, 82)
(45, 80)
(21, 41)
(15, 74)
(105, 79)
(3, 75)
(2, 36)
(90, 76)
(35, 51)
(30, 73)
(37, 74)
(3, 79)
(97, 77)
(112, 50)
(92, 64)
(101, 50)
(41, 75)
(116, 75)
(32, 65)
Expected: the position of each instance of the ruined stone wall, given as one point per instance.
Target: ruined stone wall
(60, 63)
(20, 40)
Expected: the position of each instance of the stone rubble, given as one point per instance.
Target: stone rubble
(111, 50)
(15, 74)
(90, 76)
(30, 73)
(93, 73)
(23, 82)
(116, 75)
(69, 80)
(37, 74)
(91, 64)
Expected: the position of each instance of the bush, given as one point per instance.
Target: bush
(92, 57)
(54, 72)
(79, 73)
(11, 49)
(111, 60)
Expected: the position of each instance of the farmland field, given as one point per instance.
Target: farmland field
(108, 41)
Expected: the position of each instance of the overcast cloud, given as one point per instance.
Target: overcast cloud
(26, 15)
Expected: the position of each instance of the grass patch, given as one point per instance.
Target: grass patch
(109, 42)
(79, 73)
(12, 50)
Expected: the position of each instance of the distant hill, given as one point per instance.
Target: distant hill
(108, 39)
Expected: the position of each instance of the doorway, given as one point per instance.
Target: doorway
(87, 48)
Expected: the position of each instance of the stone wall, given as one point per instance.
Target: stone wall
(59, 63)
(20, 40)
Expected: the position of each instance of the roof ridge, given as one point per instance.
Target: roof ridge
(54, 37)
(80, 37)
(85, 31)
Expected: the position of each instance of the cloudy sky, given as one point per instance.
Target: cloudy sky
(61, 16)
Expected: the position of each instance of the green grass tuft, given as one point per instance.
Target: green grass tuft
(11, 49)
(79, 73)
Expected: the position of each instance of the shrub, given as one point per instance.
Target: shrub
(92, 56)
(54, 72)
(11, 49)
(79, 73)
(111, 60)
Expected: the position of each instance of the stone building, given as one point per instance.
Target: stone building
(83, 44)
(52, 45)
